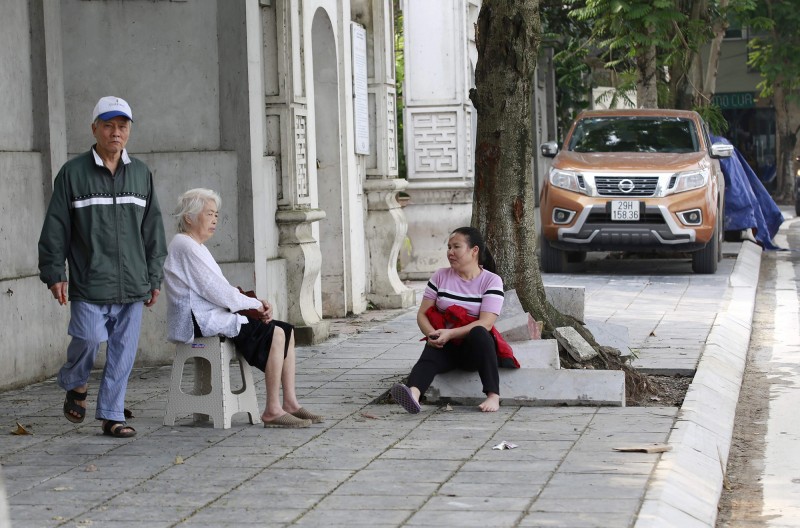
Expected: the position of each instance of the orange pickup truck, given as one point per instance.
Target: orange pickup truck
(633, 180)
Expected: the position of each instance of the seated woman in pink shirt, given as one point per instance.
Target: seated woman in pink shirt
(468, 285)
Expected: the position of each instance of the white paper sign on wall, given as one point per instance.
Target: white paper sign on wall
(360, 95)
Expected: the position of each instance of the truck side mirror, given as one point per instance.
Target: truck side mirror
(721, 150)
(549, 149)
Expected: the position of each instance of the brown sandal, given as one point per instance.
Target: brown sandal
(304, 414)
(287, 421)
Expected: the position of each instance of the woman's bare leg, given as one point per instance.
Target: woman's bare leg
(491, 403)
(272, 376)
(290, 403)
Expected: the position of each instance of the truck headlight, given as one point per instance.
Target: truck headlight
(569, 180)
(686, 181)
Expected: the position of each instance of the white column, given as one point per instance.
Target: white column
(439, 124)
(286, 140)
(386, 224)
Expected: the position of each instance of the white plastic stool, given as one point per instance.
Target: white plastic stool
(212, 396)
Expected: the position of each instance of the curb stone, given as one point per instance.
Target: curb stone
(686, 484)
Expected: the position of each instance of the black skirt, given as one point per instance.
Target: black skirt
(255, 339)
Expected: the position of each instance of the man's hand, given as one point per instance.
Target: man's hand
(153, 298)
(59, 291)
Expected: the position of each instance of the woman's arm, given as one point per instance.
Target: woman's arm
(485, 320)
(206, 282)
(422, 319)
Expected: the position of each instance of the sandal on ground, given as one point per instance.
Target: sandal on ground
(402, 395)
(304, 414)
(287, 421)
(72, 411)
(118, 429)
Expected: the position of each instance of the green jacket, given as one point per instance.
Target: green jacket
(108, 227)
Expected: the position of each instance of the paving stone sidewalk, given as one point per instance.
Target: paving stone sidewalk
(368, 464)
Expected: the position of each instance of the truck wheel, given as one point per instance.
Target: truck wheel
(576, 257)
(705, 260)
(552, 260)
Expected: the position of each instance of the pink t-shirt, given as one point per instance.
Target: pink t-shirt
(484, 293)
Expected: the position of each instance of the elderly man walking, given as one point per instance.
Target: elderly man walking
(104, 220)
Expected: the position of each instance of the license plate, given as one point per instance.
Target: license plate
(624, 210)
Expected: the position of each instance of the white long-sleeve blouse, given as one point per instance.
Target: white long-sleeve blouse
(194, 284)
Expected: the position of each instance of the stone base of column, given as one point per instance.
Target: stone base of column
(386, 228)
(397, 300)
(303, 260)
(312, 334)
(434, 211)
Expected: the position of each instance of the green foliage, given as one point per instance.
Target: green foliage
(571, 71)
(625, 30)
(568, 38)
(775, 49)
(400, 70)
(712, 114)
(630, 26)
(625, 85)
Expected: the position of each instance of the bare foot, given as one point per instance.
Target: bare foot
(491, 403)
(269, 417)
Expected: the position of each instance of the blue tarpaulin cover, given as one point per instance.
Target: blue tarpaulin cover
(748, 205)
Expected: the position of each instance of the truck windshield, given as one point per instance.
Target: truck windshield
(634, 134)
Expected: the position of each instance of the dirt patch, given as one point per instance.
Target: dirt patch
(742, 496)
(670, 391)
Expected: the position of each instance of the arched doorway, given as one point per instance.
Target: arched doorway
(329, 171)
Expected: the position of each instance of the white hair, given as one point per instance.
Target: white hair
(191, 204)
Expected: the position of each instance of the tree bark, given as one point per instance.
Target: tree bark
(710, 80)
(507, 38)
(787, 123)
(646, 87)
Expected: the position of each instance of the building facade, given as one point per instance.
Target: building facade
(285, 107)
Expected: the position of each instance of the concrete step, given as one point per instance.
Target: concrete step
(612, 335)
(536, 353)
(520, 327)
(534, 387)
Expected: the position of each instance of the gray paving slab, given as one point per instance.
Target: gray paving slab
(374, 465)
(576, 520)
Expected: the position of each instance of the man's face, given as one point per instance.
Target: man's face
(111, 135)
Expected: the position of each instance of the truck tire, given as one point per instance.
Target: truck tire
(552, 260)
(705, 260)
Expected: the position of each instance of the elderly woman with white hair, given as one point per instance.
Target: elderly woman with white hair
(201, 302)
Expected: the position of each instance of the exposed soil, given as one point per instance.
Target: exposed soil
(742, 497)
(741, 502)
(670, 392)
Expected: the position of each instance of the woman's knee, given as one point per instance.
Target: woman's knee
(479, 333)
(278, 338)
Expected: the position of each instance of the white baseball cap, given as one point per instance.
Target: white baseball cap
(109, 107)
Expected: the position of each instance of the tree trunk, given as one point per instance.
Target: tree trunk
(710, 80)
(646, 86)
(507, 38)
(787, 122)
